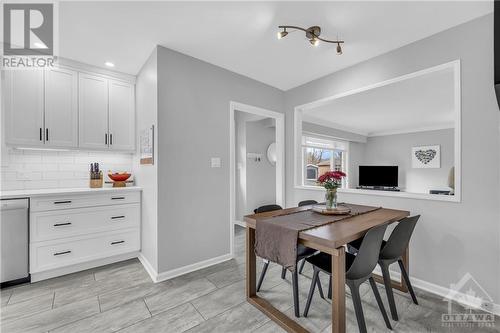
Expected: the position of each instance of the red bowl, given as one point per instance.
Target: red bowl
(119, 177)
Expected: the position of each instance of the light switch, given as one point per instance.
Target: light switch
(215, 162)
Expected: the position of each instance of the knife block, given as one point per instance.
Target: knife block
(96, 183)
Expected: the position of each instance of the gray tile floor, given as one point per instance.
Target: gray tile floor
(121, 297)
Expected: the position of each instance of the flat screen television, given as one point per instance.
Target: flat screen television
(378, 176)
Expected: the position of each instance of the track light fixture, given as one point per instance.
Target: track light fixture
(312, 34)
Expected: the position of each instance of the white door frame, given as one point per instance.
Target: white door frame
(280, 153)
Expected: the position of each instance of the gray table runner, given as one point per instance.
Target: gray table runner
(276, 237)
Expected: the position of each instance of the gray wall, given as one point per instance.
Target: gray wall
(261, 176)
(332, 132)
(450, 237)
(193, 123)
(146, 176)
(396, 150)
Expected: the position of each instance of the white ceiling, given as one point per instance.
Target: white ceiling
(424, 102)
(241, 36)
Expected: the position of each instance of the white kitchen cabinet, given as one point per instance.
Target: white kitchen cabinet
(24, 107)
(121, 116)
(93, 111)
(77, 231)
(61, 108)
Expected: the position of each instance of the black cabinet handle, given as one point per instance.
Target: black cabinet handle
(46, 134)
(117, 198)
(61, 224)
(62, 202)
(61, 253)
(105, 138)
(41, 139)
(117, 217)
(111, 139)
(117, 242)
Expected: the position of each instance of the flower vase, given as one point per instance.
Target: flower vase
(331, 198)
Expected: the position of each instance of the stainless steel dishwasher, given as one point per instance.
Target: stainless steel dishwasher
(14, 235)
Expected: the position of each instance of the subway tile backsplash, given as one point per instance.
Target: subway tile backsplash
(38, 169)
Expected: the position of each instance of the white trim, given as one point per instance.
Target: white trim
(326, 123)
(297, 133)
(413, 130)
(191, 268)
(240, 223)
(400, 194)
(153, 274)
(440, 291)
(280, 153)
(44, 275)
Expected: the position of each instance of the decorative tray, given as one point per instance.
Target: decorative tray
(340, 210)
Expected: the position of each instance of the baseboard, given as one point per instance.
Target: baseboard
(191, 268)
(446, 293)
(39, 276)
(153, 274)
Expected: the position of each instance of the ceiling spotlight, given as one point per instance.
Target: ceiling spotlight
(312, 34)
(339, 49)
(282, 34)
(109, 64)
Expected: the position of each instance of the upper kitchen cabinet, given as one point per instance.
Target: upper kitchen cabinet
(61, 108)
(93, 111)
(121, 116)
(107, 113)
(69, 107)
(24, 107)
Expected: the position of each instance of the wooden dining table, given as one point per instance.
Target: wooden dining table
(330, 238)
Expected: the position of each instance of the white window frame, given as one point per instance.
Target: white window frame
(312, 140)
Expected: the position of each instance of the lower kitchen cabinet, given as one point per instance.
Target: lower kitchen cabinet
(69, 233)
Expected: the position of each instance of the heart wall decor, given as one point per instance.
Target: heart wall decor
(426, 157)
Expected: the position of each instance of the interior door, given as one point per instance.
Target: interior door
(121, 116)
(61, 108)
(93, 111)
(24, 107)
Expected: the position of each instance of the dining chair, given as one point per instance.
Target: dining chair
(307, 203)
(391, 251)
(358, 269)
(302, 253)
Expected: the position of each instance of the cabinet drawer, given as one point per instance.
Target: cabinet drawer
(83, 200)
(56, 254)
(51, 225)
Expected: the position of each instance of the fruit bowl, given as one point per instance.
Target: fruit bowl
(119, 176)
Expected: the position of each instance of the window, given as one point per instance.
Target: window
(320, 155)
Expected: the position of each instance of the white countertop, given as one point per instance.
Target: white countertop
(49, 191)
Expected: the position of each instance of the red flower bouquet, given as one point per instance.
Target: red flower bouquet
(331, 179)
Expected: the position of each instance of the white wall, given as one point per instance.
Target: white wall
(37, 169)
(396, 150)
(146, 176)
(451, 239)
(193, 126)
(261, 176)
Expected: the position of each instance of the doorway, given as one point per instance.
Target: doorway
(257, 173)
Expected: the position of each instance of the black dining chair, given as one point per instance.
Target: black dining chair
(302, 253)
(358, 269)
(307, 203)
(391, 251)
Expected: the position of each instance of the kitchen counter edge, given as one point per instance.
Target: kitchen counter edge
(16, 194)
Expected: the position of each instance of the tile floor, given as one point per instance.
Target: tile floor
(121, 297)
